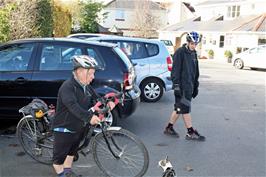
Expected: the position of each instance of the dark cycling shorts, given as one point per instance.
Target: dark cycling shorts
(182, 105)
(65, 144)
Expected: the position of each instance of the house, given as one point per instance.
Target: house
(132, 16)
(229, 9)
(177, 10)
(223, 30)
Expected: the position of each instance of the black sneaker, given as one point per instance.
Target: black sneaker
(170, 131)
(195, 136)
(72, 174)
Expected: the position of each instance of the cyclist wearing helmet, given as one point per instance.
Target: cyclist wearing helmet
(73, 113)
(184, 75)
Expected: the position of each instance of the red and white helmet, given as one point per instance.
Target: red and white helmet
(84, 61)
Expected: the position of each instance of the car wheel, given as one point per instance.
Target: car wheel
(151, 90)
(239, 64)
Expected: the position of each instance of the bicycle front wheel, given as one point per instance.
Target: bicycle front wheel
(133, 156)
(35, 140)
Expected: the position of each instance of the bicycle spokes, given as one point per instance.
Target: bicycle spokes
(120, 153)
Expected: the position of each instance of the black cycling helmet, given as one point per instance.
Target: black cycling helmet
(193, 37)
(84, 61)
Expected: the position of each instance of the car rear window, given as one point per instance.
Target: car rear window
(124, 57)
(152, 49)
(15, 57)
(94, 53)
(136, 50)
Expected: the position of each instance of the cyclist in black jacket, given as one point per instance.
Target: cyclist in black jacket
(185, 75)
(73, 111)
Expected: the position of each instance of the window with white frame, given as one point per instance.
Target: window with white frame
(233, 11)
(221, 43)
(120, 15)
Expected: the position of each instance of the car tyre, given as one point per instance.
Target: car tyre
(151, 90)
(239, 64)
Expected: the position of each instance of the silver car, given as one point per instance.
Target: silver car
(253, 58)
(152, 62)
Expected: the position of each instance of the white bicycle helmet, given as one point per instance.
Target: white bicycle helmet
(84, 61)
(193, 37)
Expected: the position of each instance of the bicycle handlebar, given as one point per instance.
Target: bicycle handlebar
(102, 107)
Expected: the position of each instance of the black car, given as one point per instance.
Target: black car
(36, 68)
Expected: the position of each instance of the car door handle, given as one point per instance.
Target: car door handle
(21, 80)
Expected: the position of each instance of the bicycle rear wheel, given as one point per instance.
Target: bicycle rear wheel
(134, 158)
(35, 140)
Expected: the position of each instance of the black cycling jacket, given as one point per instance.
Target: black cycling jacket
(185, 70)
(72, 106)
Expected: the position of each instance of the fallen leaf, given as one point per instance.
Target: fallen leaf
(188, 168)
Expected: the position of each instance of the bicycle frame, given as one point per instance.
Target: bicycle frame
(88, 134)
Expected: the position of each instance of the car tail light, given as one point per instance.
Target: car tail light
(169, 63)
(128, 81)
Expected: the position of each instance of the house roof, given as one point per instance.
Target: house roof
(189, 6)
(220, 2)
(101, 29)
(242, 23)
(115, 29)
(130, 4)
(256, 24)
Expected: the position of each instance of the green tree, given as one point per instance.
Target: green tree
(44, 21)
(89, 16)
(22, 20)
(4, 22)
(62, 21)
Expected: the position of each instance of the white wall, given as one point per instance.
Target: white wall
(174, 13)
(249, 7)
(129, 18)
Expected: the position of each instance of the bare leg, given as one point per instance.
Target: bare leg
(68, 161)
(169, 130)
(58, 168)
(174, 117)
(187, 120)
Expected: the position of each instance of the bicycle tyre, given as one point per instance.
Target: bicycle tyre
(28, 133)
(134, 159)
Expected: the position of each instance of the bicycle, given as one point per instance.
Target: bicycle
(33, 131)
(116, 151)
(167, 167)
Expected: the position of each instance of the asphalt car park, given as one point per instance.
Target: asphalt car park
(229, 111)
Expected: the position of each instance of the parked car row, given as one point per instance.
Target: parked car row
(36, 68)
